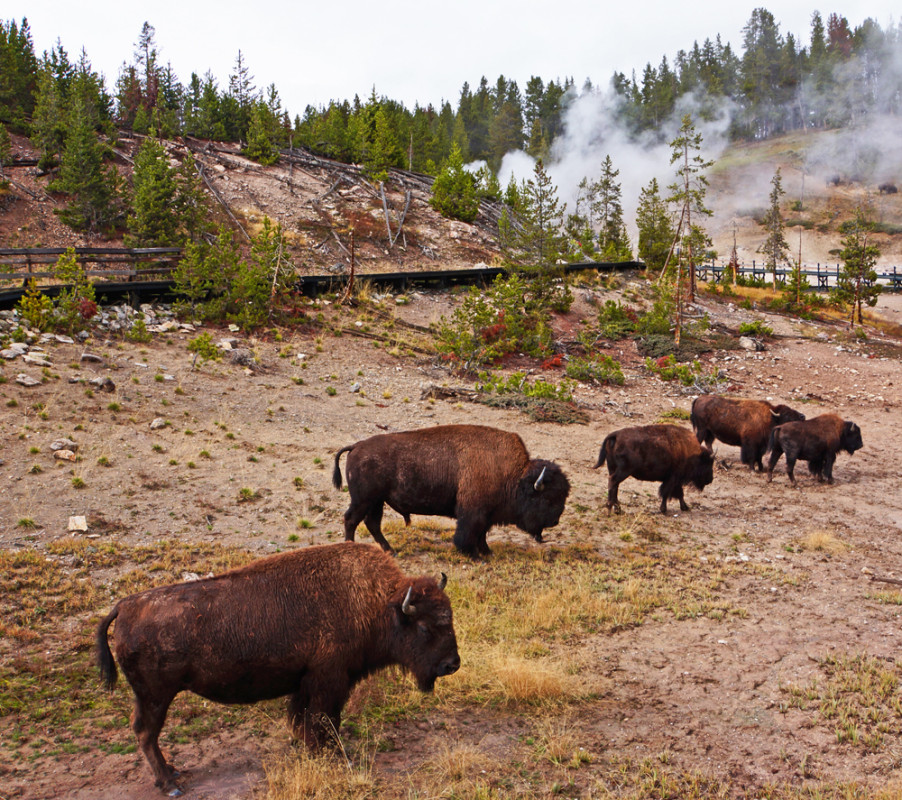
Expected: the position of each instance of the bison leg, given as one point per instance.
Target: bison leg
(829, 461)
(671, 488)
(470, 533)
(314, 712)
(774, 458)
(373, 521)
(147, 722)
(614, 481)
(678, 494)
(790, 469)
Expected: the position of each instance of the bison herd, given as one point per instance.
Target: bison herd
(312, 623)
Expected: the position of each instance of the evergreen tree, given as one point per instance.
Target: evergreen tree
(613, 240)
(687, 195)
(259, 144)
(153, 221)
(858, 280)
(656, 232)
(454, 190)
(242, 94)
(91, 186)
(775, 247)
(192, 205)
(18, 74)
(6, 155)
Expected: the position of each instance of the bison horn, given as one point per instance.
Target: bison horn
(774, 414)
(538, 484)
(443, 582)
(406, 607)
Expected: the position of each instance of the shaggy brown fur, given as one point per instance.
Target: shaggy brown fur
(308, 624)
(816, 441)
(665, 453)
(744, 423)
(478, 475)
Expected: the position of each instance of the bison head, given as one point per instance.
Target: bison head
(702, 470)
(850, 438)
(783, 414)
(423, 638)
(540, 497)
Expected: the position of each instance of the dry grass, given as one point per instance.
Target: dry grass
(824, 542)
(300, 774)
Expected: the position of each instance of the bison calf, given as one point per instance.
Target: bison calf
(308, 624)
(816, 441)
(478, 475)
(665, 453)
(743, 423)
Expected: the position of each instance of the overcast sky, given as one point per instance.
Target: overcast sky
(409, 51)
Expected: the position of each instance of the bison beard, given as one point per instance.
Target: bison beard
(816, 441)
(478, 475)
(746, 424)
(663, 453)
(308, 624)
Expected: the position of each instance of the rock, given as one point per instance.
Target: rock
(63, 339)
(64, 444)
(38, 361)
(93, 358)
(78, 523)
(105, 384)
(26, 380)
(748, 343)
(355, 387)
(228, 344)
(65, 455)
(158, 423)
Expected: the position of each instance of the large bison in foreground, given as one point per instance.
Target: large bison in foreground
(478, 475)
(816, 441)
(665, 453)
(743, 423)
(308, 624)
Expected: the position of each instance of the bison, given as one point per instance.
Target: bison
(887, 188)
(743, 423)
(665, 453)
(816, 441)
(308, 624)
(478, 475)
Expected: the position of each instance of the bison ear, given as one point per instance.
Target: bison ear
(443, 582)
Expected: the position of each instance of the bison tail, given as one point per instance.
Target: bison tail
(772, 440)
(108, 672)
(693, 417)
(336, 472)
(605, 453)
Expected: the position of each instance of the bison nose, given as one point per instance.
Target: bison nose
(451, 666)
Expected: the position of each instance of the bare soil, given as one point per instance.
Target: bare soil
(709, 693)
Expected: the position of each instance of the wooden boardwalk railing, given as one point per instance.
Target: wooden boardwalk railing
(141, 263)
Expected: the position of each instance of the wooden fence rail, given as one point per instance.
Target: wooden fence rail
(21, 264)
(825, 276)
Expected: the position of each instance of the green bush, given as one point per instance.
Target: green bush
(517, 383)
(595, 370)
(615, 320)
(667, 369)
(756, 328)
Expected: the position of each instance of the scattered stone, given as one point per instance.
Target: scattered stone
(158, 423)
(242, 357)
(63, 339)
(228, 344)
(38, 361)
(92, 357)
(753, 345)
(78, 523)
(105, 384)
(355, 387)
(26, 380)
(64, 444)
(234, 328)
(65, 455)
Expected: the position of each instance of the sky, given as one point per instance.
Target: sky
(414, 52)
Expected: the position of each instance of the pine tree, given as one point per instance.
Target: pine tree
(153, 221)
(656, 232)
(91, 186)
(454, 190)
(259, 144)
(687, 194)
(775, 247)
(613, 240)
(858, 280)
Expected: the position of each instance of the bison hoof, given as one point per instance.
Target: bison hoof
(176, 792)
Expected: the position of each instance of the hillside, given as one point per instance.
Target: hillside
(318, 202)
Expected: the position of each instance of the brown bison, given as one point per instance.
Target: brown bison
(743, 423)
(816, 441)
(665, 453)
(478, 475)
(308, 624)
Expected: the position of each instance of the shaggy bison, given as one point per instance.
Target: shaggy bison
(743, 423)
(665, 453)
(816, 441)
(308, 624)
(478, 475)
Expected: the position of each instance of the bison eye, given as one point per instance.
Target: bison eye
(424, 631)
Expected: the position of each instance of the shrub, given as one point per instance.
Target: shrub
(616, 321)
(203, 348)
(517, 383)
(756, 328)
(595, 370)
(667, 369)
